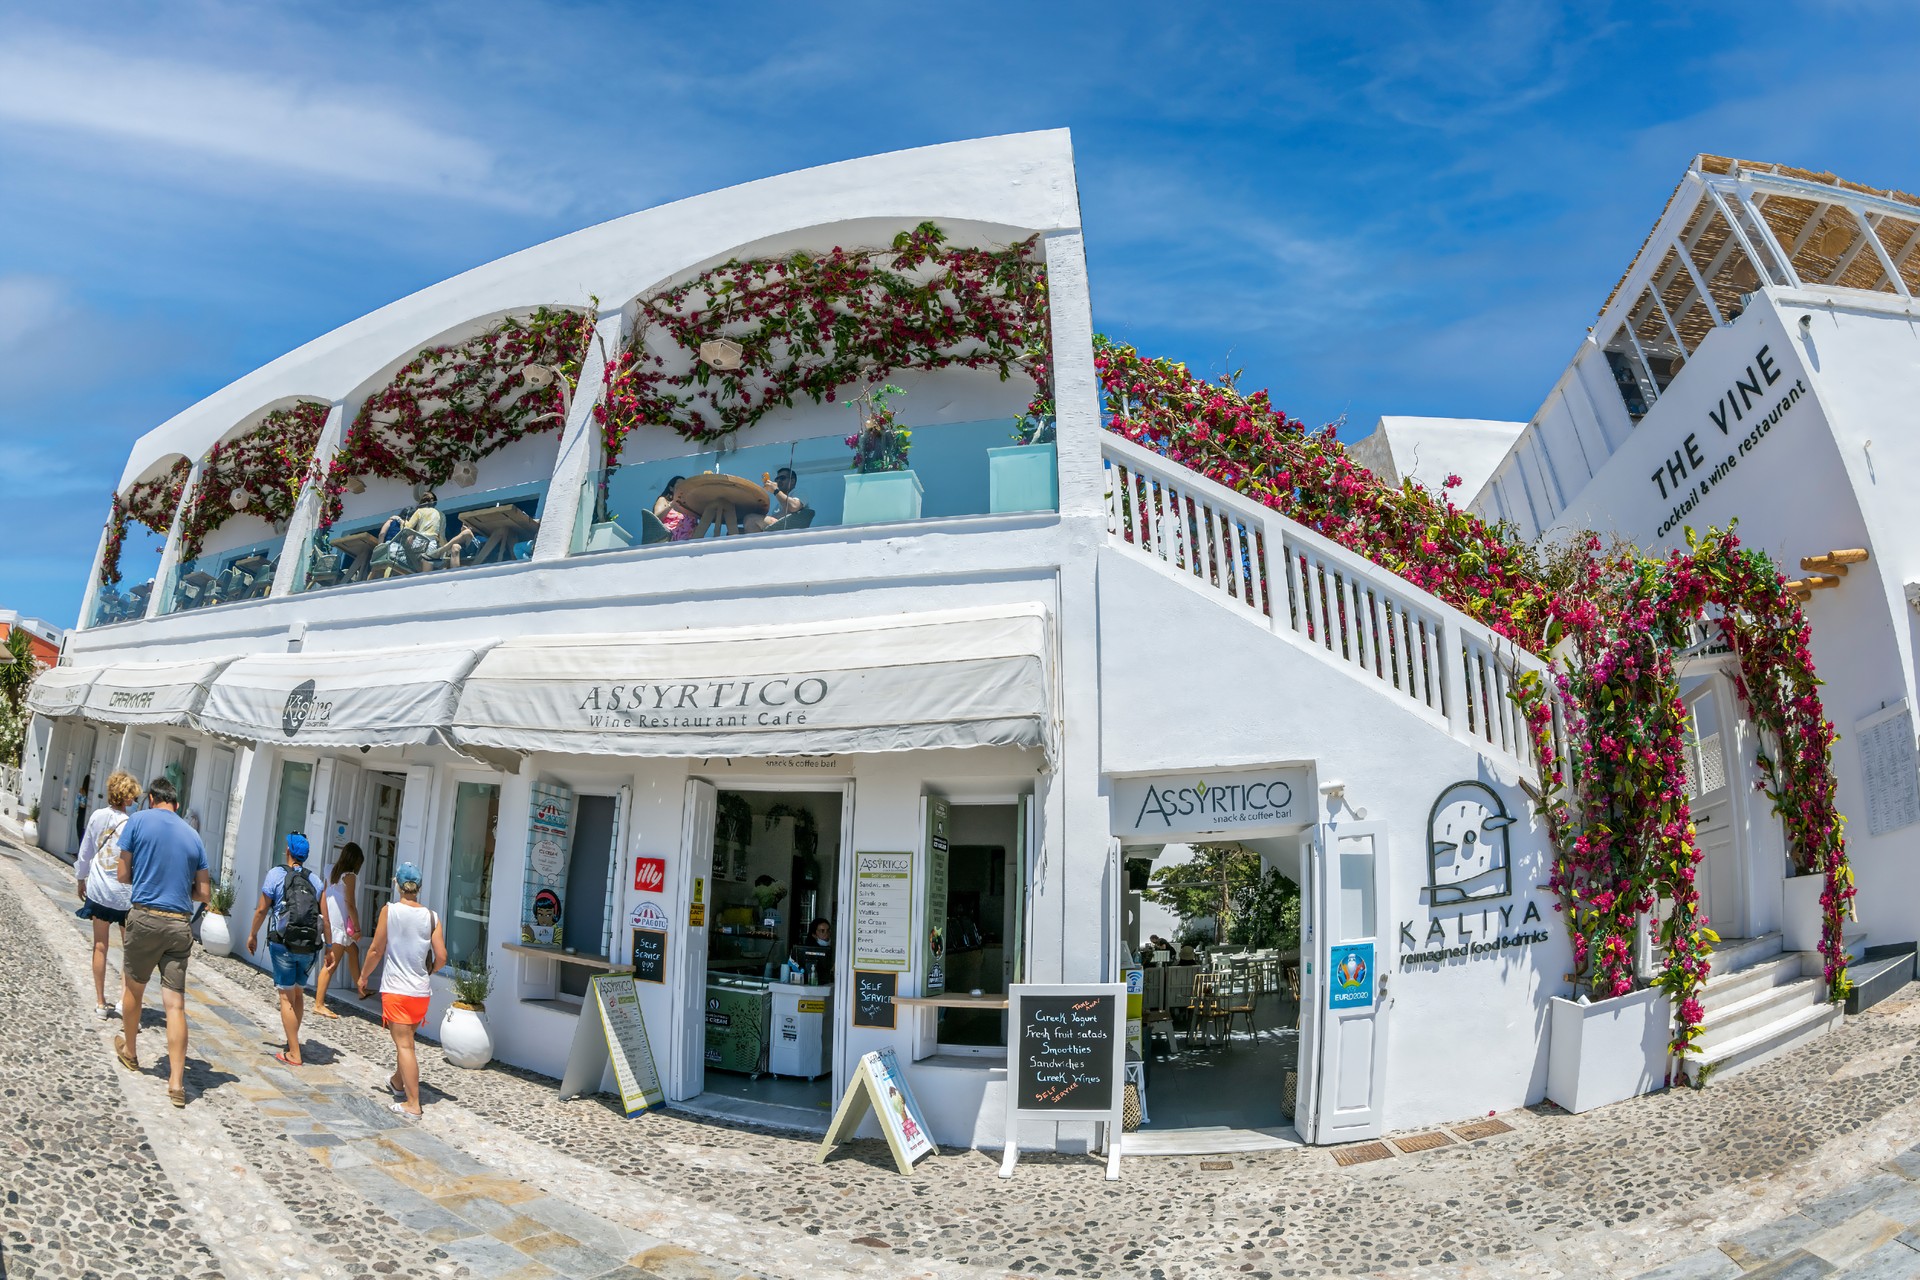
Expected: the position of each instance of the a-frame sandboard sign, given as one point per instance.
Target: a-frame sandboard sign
(618, 1033)
(879, 1086)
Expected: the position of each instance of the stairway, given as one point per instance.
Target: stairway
(1760, 1001)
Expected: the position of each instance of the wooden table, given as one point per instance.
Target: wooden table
(721, 499)
(357, 548)
(501, 526)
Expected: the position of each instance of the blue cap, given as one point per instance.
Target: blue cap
(407, 874)
(297, 847)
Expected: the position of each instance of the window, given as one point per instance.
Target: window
(290, 810)
(476, 809)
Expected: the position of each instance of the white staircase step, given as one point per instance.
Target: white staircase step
(1761, 1009)
(1730, 955)
(1769, 1041)
(1724, 989)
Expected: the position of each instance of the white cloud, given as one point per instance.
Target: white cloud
(334, 132)
(29, 306)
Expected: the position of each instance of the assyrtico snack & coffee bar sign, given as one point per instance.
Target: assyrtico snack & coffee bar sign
(1174, 806)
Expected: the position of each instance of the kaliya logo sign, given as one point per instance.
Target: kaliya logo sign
(303, 709)
(1469, 865)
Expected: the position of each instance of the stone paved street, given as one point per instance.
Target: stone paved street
(1805, 1166)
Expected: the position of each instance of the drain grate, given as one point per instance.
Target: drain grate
(1362, 1152)
(1481, 1129)
(1216, 1166)
(1423, 1141)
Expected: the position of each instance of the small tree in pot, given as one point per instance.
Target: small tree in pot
(463, 1032)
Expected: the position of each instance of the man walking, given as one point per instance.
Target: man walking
(291, 893)
(165, 862)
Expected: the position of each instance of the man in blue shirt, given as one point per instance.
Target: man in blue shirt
(292, 960)
(164, 861)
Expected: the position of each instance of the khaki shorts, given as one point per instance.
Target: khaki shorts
(157, 940)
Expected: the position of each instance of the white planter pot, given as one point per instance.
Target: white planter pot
(464, 1038)
(31, 831)
(216, 938)
(882, 497)
(1801, 929)
(608, 536)
(1608, 1051)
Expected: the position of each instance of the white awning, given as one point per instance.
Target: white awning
(60, 691)
(350, 698)
(150, 692)
(958, 679)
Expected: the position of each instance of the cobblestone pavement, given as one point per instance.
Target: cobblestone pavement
(1771, 1172)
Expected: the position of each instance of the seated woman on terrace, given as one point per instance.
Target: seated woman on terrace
(431, 526)
(680, 522)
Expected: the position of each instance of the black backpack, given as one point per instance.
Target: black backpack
(300, 914)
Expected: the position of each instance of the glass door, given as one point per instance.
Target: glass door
(290, 810)
(476, 810)
(382, 826)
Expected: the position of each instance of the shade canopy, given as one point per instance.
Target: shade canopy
(357, 698)
(61, 691)
(908, 682)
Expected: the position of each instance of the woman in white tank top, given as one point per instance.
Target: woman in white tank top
(409, 938)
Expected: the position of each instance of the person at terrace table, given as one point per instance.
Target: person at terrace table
(680, 521)
(431, 525)
(781, 501)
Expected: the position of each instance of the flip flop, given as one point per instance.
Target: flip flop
(177, 1096)
(281, 1057)
(120, 1052)
(328, 1013)
(410, 1117)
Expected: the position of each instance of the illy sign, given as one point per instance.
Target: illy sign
(650, 875)
(1174, 806)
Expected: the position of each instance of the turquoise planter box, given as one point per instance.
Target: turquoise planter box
(1024, 477)
(882, 497)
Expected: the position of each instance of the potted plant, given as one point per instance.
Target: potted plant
(216, 935)
(1025, 475)
(881, 487)
(32, 829)
(463, 1032)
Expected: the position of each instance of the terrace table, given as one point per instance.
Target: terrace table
(501, 527)
(357, 548)
(721, 499)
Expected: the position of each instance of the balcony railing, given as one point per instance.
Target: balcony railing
(226, 578)
(492, 528)
(112, 604)
(956, 469)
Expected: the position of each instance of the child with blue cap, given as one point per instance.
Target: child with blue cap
(410, 939)
(291, 895)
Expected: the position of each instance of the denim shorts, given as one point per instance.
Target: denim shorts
(290, 968)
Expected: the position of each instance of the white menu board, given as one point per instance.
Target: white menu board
(883, 911)
(1889, 768)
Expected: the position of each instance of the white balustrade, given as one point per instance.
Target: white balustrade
(1445, 666)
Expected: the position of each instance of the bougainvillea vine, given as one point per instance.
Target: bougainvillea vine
(715, 353)
(150, 502)
(268, 466)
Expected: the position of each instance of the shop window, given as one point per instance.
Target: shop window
(983, 921)
(583, 926)
(290, 808)
(476, 810)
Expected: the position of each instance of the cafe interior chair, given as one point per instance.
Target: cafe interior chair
(801, 519)
(1293, 990)
(1237, 1001)
(1204, 1012)
(651, 530)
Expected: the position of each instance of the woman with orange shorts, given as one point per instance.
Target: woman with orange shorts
(410, 939)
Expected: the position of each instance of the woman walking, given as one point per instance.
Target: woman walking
(342, 922)
(98, 875)
(409, 938)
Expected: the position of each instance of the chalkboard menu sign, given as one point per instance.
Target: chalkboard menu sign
(1069, 1060)
(873, 998)
(1066, 1053)
(650, 955)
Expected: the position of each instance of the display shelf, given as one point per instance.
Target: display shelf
(548, 953)
(954, 1001)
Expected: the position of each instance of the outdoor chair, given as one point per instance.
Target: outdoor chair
(651, 530)
(1237, 1000)
(801, 519)
(326, 567)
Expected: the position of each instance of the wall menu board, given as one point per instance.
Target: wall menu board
(873, 999)
(883, 911)
(650, 955)
(1068, 1060)
(939, 820)
(1889, 768)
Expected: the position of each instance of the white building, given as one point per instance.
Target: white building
(1428, 451)
(1755, 363)
(1005, 698)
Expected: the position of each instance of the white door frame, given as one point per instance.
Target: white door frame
(1342, 1031)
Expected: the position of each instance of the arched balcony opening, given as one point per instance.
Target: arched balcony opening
(234, 524)
(893, 370)
(138, 522)
(447, 459)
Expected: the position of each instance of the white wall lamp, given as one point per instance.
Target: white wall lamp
(239, 498)
(722, 353)
(540, 377)
(1335, 796)
(466, 475)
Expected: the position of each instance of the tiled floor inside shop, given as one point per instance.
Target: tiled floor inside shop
(1235, 1082)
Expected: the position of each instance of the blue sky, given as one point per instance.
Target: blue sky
(1369, 208)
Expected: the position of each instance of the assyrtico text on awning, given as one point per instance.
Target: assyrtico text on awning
(906, 682)
(350, 698)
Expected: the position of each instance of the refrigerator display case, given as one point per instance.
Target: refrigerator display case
(739, 1013)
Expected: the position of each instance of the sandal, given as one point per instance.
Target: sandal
(328, 1013)
(177, 1096)
(411, 1117)
(120, 1052)
(282, 1058)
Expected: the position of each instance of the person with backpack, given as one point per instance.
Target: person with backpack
(410, 939)
(291, 895)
